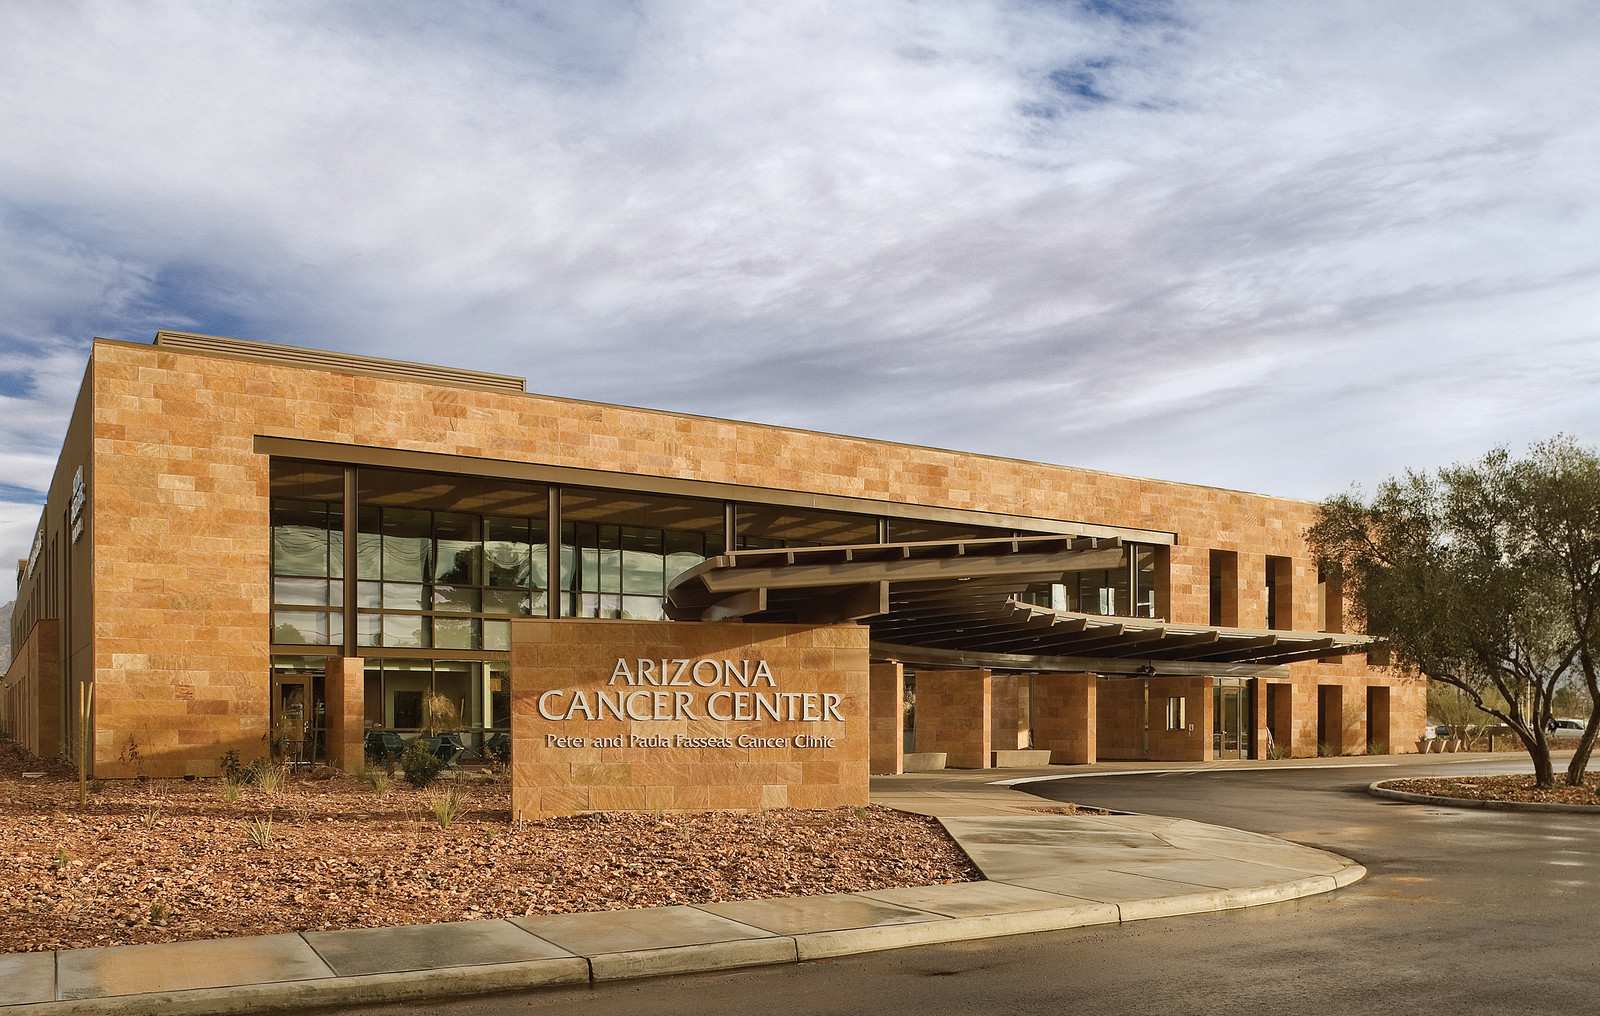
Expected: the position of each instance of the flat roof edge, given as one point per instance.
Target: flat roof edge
(341, 363)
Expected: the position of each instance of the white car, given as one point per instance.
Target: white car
(1565, 729)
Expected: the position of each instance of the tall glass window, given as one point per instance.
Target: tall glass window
(1128, 590)
(919, 531)
(443, 562)
(771, 527)
(469, 697)
(307, 554)
(619, 550)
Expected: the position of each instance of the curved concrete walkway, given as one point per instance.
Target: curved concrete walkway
(1043, 872)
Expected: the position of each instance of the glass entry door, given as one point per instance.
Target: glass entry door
(1230, 730)
(291, 719)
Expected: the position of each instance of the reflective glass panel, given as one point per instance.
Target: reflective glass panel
(299, 538)
(457, 599)
(459, 548)
(506, 601)
(405, 631)
(406, 545)
(300, 592)
(456, 633)
(801, 527)
(300, 628)
(497, 636)
(507, 552)
(404, 596)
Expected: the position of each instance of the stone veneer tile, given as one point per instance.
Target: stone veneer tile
(165, 422)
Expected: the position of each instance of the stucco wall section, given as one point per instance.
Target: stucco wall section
(568, 656)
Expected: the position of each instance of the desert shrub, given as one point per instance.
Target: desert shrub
(447, 807)
(439, 714)
(420, 766)
(377, 779)
(259, 831)
(269, 777)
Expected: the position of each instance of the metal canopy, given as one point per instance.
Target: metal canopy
(954, 601)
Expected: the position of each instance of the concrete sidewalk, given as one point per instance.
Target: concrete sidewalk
(1043, 871)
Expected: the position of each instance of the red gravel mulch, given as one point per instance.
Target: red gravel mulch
(1499, 788)
(173, 860)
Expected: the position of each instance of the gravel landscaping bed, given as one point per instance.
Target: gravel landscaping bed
(174, 860)
(1498, 788)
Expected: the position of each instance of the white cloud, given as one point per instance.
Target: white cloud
(1263, 245)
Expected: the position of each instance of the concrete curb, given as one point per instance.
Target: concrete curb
(1378, 789)
(451, 982)
(365, 989)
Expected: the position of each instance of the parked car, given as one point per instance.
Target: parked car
(1562, 728)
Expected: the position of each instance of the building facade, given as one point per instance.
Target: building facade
(236, 530)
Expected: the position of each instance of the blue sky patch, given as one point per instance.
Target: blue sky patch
(10, 493)
(1080, 82)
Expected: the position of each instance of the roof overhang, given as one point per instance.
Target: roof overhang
(957, 604)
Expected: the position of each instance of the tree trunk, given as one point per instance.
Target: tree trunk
(1577, 768)
(1544, 771)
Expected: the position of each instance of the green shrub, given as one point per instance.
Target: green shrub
(420, 766)
(232, 770)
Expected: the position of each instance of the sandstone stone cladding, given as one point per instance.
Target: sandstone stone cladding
(345, 732)
(1064, 717)
(888, 718)
(30, 694)
(953, 716)
(1119, 719)
(179, 644)
(559, 768)
(1008, 712)
(1193, 742)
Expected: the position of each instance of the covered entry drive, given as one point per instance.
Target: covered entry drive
(977, 718)
(971, 664)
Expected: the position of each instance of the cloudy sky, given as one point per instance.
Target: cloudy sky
(1275, 246)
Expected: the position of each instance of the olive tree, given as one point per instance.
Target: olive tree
(1485, 577)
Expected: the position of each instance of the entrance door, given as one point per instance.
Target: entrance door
(1229, 729)
(291, 718)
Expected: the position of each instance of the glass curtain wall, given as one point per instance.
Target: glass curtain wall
(772, 527)
(307, 554)
(619, 550)
(1128, 590)
(443, 562)
(478, 693)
